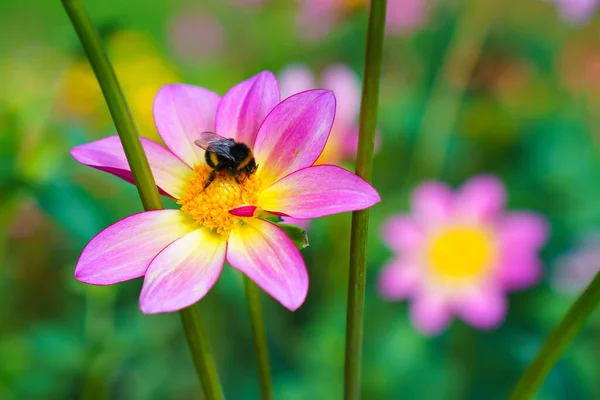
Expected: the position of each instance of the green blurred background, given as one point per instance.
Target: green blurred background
(514, 88)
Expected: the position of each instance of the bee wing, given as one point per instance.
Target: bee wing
(215, 143)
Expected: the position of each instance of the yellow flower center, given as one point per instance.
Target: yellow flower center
(461, 252)
(210, 207)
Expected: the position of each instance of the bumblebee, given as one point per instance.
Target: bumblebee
(226, 154)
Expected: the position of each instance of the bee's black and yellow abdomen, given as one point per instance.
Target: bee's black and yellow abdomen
(211, 159)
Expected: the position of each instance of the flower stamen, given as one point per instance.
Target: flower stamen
(210, 206)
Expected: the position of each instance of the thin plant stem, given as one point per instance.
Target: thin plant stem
(360, 219)
(443, 107)
(260, 338)
(142, 175)
(202, 355)
(557, 342)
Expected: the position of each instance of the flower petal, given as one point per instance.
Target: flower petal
(523, 229)
(243, 211)
(317, 191)
(124, 250)
(430, 314)
(398, 281)
(519, 269)
(402, 233)
(432, 203)
(294, 134)
(181, 112)
(266, 255)
(245, 106)
(345, 84)
(481, 198)
(485, 309)
(295, 79)
(521, 235)
(107, 155)
(183, 272)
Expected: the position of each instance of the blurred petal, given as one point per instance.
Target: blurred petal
(483, 310)
(398, 281)
(181, 112)
(294, 134)
(124, 250)
(345, 84)
(429, 313)
(183, 272)
(317, 191)
(432, 203)
(107, 155)
(402, 233)
(302, 223)
(404, 16)
(266, 255)
(295, 79)
(523, 229)
(521, 235)
(245, 106)
(482, 197)
(519, 269)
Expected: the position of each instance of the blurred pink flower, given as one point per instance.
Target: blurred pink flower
(181, 253)
(317, 17)
(458, 253)
(195, 35)
(345, 84)
(576, 11)
(575, 270)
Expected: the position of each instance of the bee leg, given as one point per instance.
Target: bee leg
(211, 178)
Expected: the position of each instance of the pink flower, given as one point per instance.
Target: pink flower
(343, 140)
(181, 252)
(576, 11)
(345, 84)
(195, 35)
(317, 17)
(457, 254)
(576, 269)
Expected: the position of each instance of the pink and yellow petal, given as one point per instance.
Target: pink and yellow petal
(266, 255)
(245, 106)
(124, 250)
(108, 155)
(318, 191)
(181, 112)
(294, 134)
(183, 272)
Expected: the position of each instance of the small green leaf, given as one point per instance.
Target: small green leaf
(297, 234)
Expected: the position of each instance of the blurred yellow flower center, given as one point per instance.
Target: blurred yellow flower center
(461, 252)
(210, 207)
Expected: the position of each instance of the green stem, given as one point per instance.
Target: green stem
(558, 341)
(142, 175)
(203, 360)
(360, 219)
(260, 338)
(442, 110)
